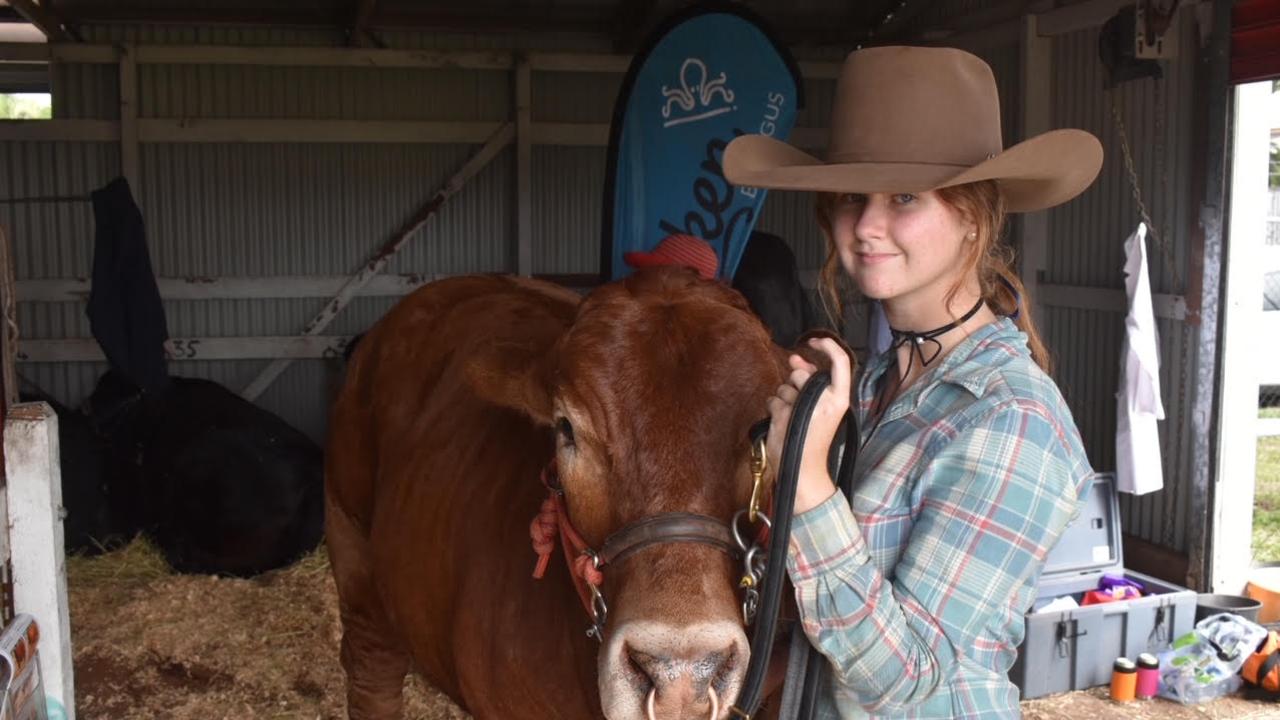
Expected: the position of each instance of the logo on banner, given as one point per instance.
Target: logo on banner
(699, 97)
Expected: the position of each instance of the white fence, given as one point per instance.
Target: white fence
(1273, 219)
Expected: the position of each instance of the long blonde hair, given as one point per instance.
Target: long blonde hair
(988, 254)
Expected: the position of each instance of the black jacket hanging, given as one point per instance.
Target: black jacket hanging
(125, 313)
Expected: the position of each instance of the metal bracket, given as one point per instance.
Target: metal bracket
(1155, 32)
(7, 612)
(1064, 639)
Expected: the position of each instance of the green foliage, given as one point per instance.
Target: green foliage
(1266, 502)
(25, 107)
(1275, 166)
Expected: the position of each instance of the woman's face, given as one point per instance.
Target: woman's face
(900, 245)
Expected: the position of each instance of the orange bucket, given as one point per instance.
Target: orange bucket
(1264, 586)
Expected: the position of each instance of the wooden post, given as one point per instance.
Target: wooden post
(496, 143)
(8, 323)
(1241, 316)
(129, 147)
(1037, 60)
(524, 169)
(36, 536)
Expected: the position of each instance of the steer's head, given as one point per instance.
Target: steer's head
(655, 388)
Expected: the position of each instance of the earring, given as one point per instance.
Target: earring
(973, 236)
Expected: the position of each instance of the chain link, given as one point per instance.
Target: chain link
(1158, 238)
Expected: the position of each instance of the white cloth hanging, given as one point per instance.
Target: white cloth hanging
(1138, 466)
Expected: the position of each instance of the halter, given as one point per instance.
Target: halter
(764, 561)
(586, 564)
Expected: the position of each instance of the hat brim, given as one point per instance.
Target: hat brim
(643, 259)
(1039, 173)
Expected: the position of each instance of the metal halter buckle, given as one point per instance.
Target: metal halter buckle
(599, 608)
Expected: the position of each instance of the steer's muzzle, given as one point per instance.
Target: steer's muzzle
(656, 671)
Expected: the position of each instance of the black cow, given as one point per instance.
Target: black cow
(89, 524)
(221, 485)
(767, 278)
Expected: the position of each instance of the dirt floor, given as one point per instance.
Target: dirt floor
(150, 644)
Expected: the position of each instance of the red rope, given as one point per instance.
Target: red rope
(552, 520)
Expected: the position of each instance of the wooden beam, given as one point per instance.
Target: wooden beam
(192, 348)
(524, 168)
(262, 288)
(1037, 105)
(383, 255)
(358, 35)
(46, 19)
(57, 130)
(64, 51)
(999, 35)
(191, 130)
(324, 57)
(1080, 16)
(458, 18)
(195, 14)
(9, 331)
(130, 144)
(232, 288)
(1114, 300)
(497, 60)
(579, 62)
(172, 130)
(570, 134)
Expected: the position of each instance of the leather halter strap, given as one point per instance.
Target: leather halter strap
(674, 527)
(586, 565)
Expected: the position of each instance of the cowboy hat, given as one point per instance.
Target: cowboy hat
(911, 119)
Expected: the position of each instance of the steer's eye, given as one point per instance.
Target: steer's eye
(564, 431)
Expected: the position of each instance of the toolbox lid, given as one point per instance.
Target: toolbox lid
(1091, 543)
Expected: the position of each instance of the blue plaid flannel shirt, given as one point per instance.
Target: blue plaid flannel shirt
(916, 593)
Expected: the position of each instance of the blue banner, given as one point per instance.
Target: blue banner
(706, 77)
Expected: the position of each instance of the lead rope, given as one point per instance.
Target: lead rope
(584, 564)
(784, 498)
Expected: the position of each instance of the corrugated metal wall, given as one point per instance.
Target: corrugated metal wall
(1086, 248)
(317, 209)
(266, 209)
(288, 209)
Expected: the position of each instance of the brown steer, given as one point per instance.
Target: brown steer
(644, 393)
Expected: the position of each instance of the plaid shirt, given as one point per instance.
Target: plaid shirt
(916, 594)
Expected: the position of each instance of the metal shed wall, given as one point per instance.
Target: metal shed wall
(320, 209)
(1086, 250)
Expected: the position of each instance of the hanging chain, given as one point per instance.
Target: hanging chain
(1158, 238)
(1162, 172)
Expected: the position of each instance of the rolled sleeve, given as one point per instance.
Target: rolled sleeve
(824, 537)
(990, 502)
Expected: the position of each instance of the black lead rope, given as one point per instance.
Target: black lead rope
(816, 666)
(779, 536)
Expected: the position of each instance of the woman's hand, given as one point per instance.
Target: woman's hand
(815, 484)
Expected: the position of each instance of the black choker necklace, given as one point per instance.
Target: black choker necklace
(918, 339)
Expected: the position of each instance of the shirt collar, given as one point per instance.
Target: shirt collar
(968, 365)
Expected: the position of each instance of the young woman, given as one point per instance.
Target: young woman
(970, 465)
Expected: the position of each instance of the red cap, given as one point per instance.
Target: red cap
(684, 250)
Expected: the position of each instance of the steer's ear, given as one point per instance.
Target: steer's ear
(819, 358)
(516, 374)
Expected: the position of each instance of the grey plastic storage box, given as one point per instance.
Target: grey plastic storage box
(1074, 649)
